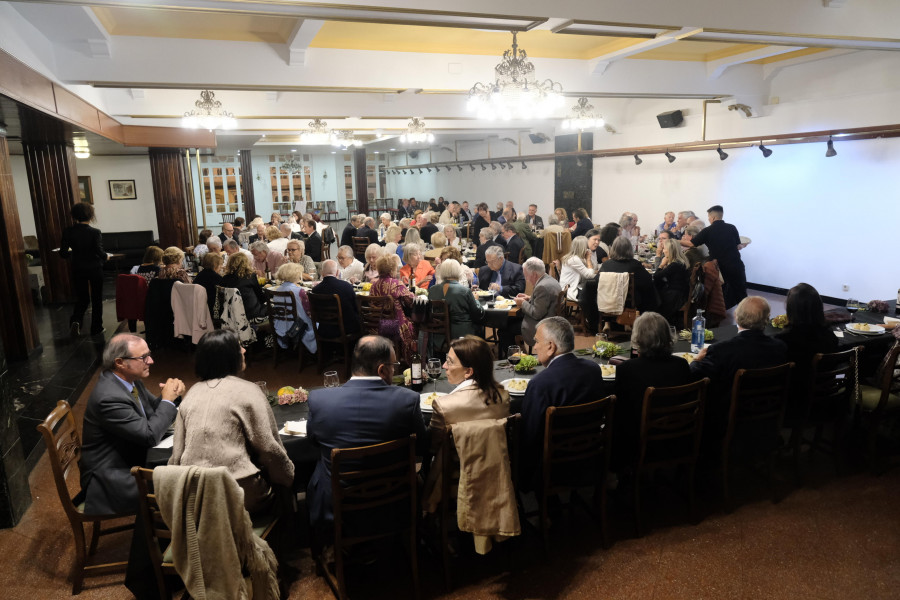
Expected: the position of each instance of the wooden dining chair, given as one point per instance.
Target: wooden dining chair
(373, 497)
(688, 309)
(439, 324)
(577, 444)
(64, 451)
(372, 311)
(670, 432)
(832, 388)
(755, 417)
(881, 402)
(282, 306)
(359, 247)
(629, 304)
(325, 309)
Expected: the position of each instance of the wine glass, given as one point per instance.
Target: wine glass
(513, 355)
(331, 379)
(433, 368)
(673, 332)
(262, 387)
(852, 307)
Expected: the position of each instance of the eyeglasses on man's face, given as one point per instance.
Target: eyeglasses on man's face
(146, 358)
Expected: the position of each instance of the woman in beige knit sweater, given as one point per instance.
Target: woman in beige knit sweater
(225, 421)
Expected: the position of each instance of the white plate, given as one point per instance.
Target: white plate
(427, 407)
(681, 355)
(294, 428)
(483, 294)
(611, 377)
(873, 329)
(505, 383)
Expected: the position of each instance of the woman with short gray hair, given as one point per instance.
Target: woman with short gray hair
(654, 366)
(465, 311)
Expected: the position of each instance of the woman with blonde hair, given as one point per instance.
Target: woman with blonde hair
(438, 240)
(173, 265)
(477, 395)
(563, 217)
(576, 268)
(400, 328)
(288, 333)
(240, 275)
(150, 264)
(416, 269)
(672, 279)
(393, 235)
(373, 252)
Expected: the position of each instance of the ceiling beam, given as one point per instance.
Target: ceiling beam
(715, 68)
(301, 37)
(772, 69)
(599, 64)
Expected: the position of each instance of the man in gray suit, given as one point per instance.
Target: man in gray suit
(122, 420)
(542, 302)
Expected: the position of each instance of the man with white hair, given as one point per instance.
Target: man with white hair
(350, 268)
(503, 276)
(451, 214)
(532, 218)
(486, 240)
(542, 302)
(368, 230)
(694, 254)
(227, 232)
(230, 247)
(331, 285)
(668, 224)
(684, 217)
(566, 381)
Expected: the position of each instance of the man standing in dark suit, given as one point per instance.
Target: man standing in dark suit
(486, 239)
(366, 410)
(566, 381)
(751, 348)
(349, 231)
(332, 285)
(503, 276)
(122, 421)
(722, 240)
(312, 240)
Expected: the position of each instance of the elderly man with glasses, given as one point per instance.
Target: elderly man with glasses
(122, 420)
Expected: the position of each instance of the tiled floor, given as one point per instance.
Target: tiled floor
(837, 538)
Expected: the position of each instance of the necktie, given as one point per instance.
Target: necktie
(137, 399)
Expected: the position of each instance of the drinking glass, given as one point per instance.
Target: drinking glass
(331, 379)
(433, 368)
(262, 387)
(673, 332)
(513, 355)
(852, 306)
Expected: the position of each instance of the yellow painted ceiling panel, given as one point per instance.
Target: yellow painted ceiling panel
(688, 50)
(789, 55)
(195, 25)
(452, 40)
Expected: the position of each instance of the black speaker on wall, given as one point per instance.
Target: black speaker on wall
(673, 118)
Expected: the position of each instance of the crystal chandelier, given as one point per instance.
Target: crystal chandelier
(209, 114)
(343, 138)
(292, 166)
(515, 92)
(416, 133)
(583, 117)
(317, 134)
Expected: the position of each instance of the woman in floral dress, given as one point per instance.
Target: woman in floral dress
(401, 329)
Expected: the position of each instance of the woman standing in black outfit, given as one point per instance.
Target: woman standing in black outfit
(85, 245)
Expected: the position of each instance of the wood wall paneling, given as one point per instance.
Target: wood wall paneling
(111, 128)
(53, 182)
(171, 191)
(247, 187)
(362, 187)
(168, 137)
(74, 109)
(17, 325)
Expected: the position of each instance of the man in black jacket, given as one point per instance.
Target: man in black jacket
(486, 237)
(514, 244)
(368, 231)
(312, 240)
(349, 231)
(426, 228)
(332, 285)
(723, 242)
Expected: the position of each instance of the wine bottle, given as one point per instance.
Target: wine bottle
(416, 381)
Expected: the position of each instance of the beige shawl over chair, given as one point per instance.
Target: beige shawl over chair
(612, 289)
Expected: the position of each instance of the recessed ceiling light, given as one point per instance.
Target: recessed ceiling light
(293, 149)
(393, 149)
(377, 152)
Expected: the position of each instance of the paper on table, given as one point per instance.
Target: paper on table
(166, 443)
(839, 333)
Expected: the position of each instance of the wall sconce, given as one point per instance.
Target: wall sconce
(324, 174)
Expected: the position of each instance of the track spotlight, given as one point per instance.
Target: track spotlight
(429, 169)
(420, 170)
(524, 166)
(502, 166)
(637, 159)
(722, 154)
(483, 167)
(472, 167)
(458, 167)
(670, 157)
(510, 165)
(766, 152)
(493, 167)
(831, 151)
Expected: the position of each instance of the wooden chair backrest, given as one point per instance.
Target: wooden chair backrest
(889, 376)
(228, 217)
(285, 309)
(155, 528)
(360, 244)
(759, 395)
(326, 308)
(373, 310)
(832, 382)
(578, 437)
(64, 451)
(671, 414)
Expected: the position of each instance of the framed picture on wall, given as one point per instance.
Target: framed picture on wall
(84, 189)
(122, 189)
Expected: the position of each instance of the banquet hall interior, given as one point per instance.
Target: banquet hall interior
(168, 116)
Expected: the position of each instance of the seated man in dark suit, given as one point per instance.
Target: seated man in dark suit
(486, 238)
(514, 244)
(122, 421)
(566, 381)
(751, 348)
(366, 410)
(501, 275)
(367, 230)
(426, 228)
(350, 231)
(330, 284)
(532, 218)
(403, 211)
(312, 240)
(259, 236)
(227, 232)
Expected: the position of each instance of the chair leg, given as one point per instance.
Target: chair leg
(445, 541)
(414, 562)
(691, 492)
(638, 529)
(78, 567)
(726, 496)
(339, 572)
(545, 525)
(95, 537)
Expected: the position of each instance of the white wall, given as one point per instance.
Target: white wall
(121, 215)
